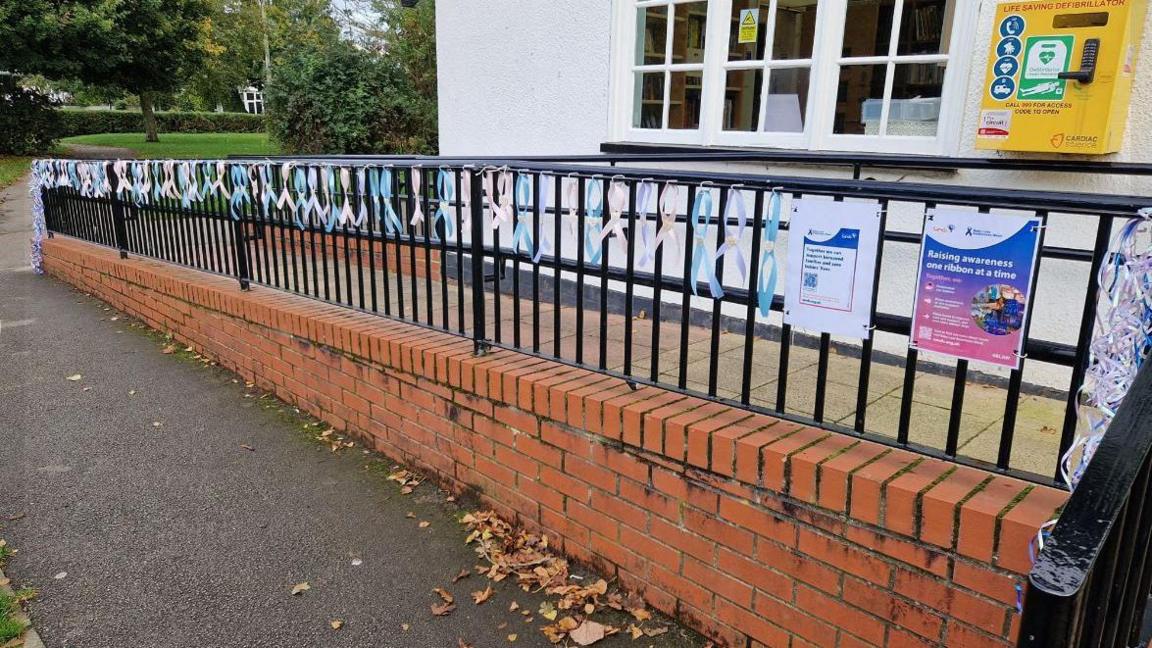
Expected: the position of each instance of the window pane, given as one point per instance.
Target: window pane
(746, 41)
(787, 100)
(922, 26)
(916, 90)
(684, 106)
(651, 35)
(795, 29)
(868, 27)
(859, 99)
(691, 22)
(742, 100)
(648, 107)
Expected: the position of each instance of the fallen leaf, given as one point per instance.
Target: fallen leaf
(588, 633)
(444, 594)
(75, 377)
(640, 614)
(404, 627)
(4, 581)
(168, 350)
(424, 524)
(460, 643)
(548, 611)
(406, 490)
(483, 595)
(589, 608)
(511, 637)
(87, 389)
(450, 498)
(655, 632)
(464, 573)
(515, 606)
(156, 424)
(567, 623)
(410, 515)
(635, 631)
(61, 576)
(131, 392)
(247, 447)
(336, 624)
(443, 609)
(356, 562)
(15, 516)
(301, 588)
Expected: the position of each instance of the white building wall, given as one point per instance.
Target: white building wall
(523, 77)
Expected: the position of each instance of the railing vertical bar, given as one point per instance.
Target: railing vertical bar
(458, 176)
(657, 290)
(537, 183)
(399, 263)
(517, 207)
(1087, 319)
(822, 376)
(1016, 377)
(581, 219)
(1099, 594)
(718, 268)
(1133, 553)
(358, 192)
(904, 423)
(557, 254)
(630, 274)
(479, 325)
(605, 252)
(686, 298)
(441, 231)
(374, 242)
(426, 229)
(753, 289)
(497, 263)
(865, 375)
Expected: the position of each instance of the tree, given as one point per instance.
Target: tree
(143, 46)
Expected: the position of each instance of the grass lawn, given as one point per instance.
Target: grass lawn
(11, 168)
(182, 145)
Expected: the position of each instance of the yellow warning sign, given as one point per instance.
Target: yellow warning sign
(749, 27)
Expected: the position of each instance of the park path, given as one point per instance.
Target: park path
(143, 520)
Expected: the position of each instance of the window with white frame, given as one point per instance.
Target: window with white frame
(856, 75)
(253, 100)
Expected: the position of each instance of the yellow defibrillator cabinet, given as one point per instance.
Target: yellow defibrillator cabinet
(1060, 75)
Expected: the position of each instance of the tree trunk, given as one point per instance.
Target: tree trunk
(149, 113)
(267, 50)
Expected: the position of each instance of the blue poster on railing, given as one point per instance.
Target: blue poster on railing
(972, 292)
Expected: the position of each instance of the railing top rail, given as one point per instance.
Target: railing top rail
(1060, 201)
(1078, 538)
(638, 153)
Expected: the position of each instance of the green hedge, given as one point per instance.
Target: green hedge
(92, 122)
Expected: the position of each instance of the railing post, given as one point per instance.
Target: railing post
(240, 242)
(119, 227)
(479, 330)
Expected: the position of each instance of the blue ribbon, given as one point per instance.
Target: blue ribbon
(266, 197)
(702, 206)
(182, 185)
(523, 212)
(766, 287)
(392, 222)
(239, 189)
(593, 219)
(137, 182)
(300, 183)
(445, 194)
(329, 214)
(157, 181)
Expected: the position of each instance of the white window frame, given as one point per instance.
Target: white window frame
(825, 74)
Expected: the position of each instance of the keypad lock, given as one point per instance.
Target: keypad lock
(1087, 71)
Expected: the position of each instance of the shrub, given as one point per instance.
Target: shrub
(341, 99)
(92, 122)
(28, 120)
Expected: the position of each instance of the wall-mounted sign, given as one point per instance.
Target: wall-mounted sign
(832, 266)
(972, 291)
(749, 26)
(1060, 75)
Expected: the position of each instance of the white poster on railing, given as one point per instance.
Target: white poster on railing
(832, 266)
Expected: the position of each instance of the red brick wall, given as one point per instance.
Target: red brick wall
(755, 530)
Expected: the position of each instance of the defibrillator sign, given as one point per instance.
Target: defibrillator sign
(1059, 75)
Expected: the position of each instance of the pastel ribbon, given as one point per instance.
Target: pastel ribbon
(545, 246)
(416, 177)
(593, 219)
(617, 203)
(769, 269)
(285, 198)
(347, 213)
(239, 194)
(139, 183)
(361, 191)
(120, 167)
(702, 256)
(501, 209)
(445, 194)
(522, 233)
(465, 201)
(571, 199)
(644, 193)
(300, 207)
(267, 191)
(392, 223)
(731, 245)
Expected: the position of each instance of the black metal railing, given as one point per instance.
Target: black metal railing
(1089, 585)
(601, 305)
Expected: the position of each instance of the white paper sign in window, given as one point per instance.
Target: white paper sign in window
(832, 266)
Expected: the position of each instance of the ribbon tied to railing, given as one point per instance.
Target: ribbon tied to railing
(240, 190)
(593, 219)
(644, 192)
(416, 179)
(617, 204)
(361, 192)
(571, 207)
(522, 234)
(120, 167)
(501, 209)
(769, 268)
(702, 255)
(267, 191)
(732, 237)
(465, 200)
(347, 212)
(392, 223)
(445, 194)
(285, 197)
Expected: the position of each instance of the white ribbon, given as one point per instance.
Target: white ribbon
(346, 212)
(572, 200)
(417, 179)
(669, 202)
(285, 198)
(122, 182)
(501, 209)
(617, 203)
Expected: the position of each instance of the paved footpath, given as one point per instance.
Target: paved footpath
(146, 523)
